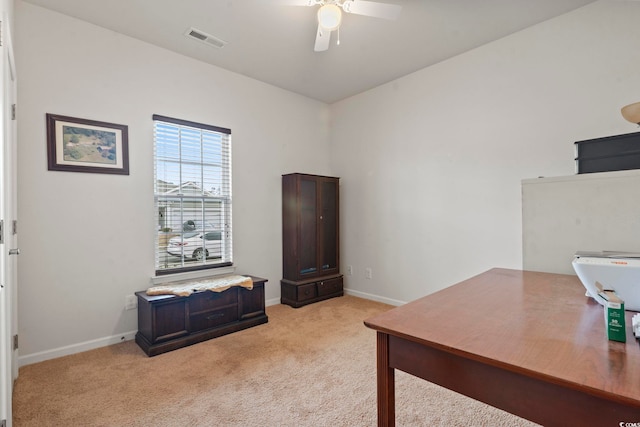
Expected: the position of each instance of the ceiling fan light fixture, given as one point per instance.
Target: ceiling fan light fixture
(329, 17)
(631, 113)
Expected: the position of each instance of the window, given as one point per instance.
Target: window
(192, 195)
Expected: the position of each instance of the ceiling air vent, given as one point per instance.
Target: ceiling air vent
(203, 37)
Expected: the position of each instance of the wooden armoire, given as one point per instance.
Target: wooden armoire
(310, 239)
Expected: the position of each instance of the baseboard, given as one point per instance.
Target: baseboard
(29, 359)
(364, 295)
(272, 301)
(373, 297)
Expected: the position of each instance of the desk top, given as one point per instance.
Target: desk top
(537, 324)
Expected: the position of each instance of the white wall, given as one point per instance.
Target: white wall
(87, 239)
(431, 163)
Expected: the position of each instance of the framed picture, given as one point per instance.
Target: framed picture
(80, 145)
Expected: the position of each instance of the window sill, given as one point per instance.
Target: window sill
(158, 280)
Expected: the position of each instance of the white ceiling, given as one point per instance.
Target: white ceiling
(273, 43)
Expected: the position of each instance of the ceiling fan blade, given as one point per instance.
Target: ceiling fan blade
(374, 9)
(323, 37)
(295, 2)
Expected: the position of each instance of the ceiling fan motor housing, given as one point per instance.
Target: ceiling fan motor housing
(329, 17)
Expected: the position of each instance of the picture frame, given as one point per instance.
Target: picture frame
(81, 145)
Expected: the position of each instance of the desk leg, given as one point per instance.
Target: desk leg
(386, 383)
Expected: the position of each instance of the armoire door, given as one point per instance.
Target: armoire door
(328, 226)
(308, 227)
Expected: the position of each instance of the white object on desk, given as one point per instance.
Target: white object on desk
(619, 271)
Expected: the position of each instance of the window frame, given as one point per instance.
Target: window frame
(224, 198)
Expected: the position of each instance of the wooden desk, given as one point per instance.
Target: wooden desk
(529, 343)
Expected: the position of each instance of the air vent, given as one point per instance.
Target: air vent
(203, 37)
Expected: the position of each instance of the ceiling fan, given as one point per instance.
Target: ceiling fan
(330, 15)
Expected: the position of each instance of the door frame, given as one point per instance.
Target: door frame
(8, 215)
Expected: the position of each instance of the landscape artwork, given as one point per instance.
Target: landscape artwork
(82, 145)
(89, 145)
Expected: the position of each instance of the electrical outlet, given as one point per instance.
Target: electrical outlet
(368, 273)
(130, 302)
(350, 270)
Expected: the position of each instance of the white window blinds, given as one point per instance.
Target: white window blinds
(192, 195)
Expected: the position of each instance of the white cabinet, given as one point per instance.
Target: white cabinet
(587, 212)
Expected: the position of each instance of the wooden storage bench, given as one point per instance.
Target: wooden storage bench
(169, 322)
